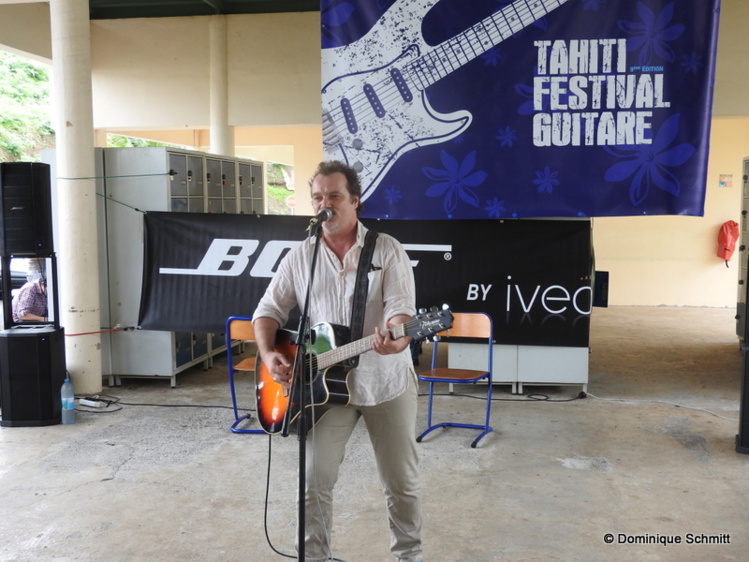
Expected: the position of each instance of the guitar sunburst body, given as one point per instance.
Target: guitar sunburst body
(329, 386)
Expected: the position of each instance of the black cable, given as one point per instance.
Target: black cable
(528, 398)
(93, 410)
(115, 401)
(267, 499)
(207, 406)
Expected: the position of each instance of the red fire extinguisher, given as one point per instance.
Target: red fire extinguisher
(727, 237)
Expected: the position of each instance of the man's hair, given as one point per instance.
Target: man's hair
(331, 167)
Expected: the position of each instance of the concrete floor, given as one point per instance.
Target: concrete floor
(648, 455)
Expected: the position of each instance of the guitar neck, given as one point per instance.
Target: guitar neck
(478, 39)
(349, 350)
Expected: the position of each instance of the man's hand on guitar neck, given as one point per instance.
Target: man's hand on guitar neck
(383, 342)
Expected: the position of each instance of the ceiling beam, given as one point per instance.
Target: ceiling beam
(126, 9)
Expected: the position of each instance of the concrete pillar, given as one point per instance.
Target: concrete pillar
(222, 135)
(76, 243)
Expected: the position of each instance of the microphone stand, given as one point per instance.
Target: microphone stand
(301, 378)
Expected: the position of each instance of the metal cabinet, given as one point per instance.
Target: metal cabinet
(251, 192)
(135, 181)
(526, 365)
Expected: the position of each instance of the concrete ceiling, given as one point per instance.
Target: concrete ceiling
(124, 9)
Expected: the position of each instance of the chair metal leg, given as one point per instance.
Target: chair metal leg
(237, 418)
(485, 429)
(247, 417)
(476, 441)
(429, 414)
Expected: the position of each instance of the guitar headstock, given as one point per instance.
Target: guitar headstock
(427, 323)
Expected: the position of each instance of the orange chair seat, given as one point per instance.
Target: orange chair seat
(446, 374)
(247, 364)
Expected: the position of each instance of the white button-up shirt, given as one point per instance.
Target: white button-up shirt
(378, 378)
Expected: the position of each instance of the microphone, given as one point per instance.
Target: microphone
(325, 214)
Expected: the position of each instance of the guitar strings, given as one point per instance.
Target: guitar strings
(346, 351)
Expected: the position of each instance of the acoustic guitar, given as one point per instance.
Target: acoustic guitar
(326, 379)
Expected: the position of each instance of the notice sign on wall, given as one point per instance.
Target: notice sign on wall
(725, 180)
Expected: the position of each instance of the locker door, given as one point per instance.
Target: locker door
(245, 188)
(195, 176)
(258, 191)
(229, 180)
(177, 175)
(213, 177)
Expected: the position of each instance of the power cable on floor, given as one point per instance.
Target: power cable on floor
(623, 400)
(97, 404)
(536, 397)
(101, 404)
(267, 501)
(580, 396)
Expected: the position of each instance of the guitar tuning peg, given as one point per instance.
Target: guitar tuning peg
(434, 309)
(422, 310)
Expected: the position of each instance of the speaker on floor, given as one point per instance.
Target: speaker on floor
(32, 370)
(25, 209)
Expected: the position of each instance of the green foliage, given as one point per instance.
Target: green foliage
(278, 193)
(278, 188)
(275, 174)
(25, 126)
(120, 141)
(276, 200)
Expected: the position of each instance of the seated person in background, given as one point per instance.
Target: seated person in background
(30, 303)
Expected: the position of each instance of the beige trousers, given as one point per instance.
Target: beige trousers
(391, 428)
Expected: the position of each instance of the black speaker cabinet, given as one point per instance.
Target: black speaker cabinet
(25, 209)
(742, 438)
(32, 370)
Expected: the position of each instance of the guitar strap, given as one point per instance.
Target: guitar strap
(361, 289)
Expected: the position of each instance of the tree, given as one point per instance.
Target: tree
(25, 125)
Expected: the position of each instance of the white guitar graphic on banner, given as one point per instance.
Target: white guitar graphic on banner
(374, 100)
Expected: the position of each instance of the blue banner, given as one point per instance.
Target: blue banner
(524, 108)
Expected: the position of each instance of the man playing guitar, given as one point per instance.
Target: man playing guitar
(383, 387)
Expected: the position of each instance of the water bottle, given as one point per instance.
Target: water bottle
(68, 402)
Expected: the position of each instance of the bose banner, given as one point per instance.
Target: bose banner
(521, 108)
(532, 276)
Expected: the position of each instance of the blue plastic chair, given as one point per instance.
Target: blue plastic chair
(239, 328)
(478, 327)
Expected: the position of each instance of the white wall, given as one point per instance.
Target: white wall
(274, 69)
(150, 73)
(153, 73)
(732, 71)
(24, 29)
(672, 260)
